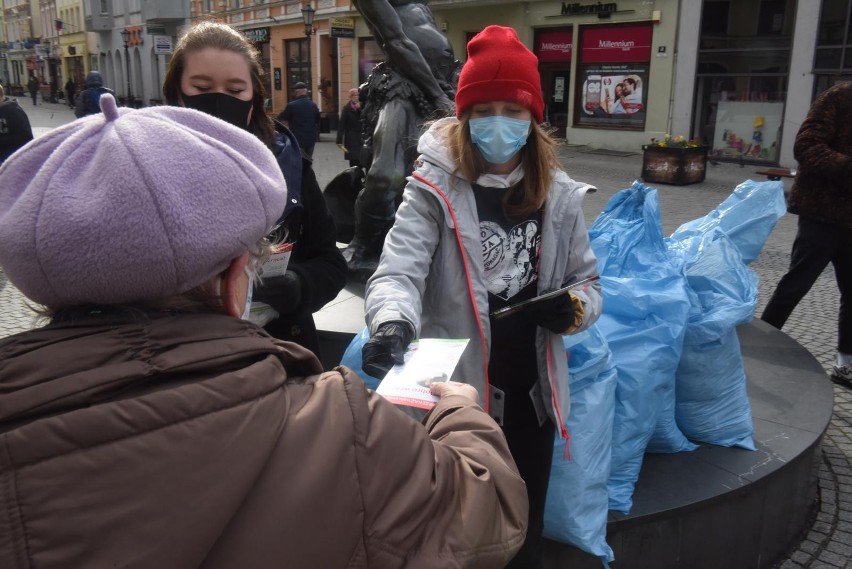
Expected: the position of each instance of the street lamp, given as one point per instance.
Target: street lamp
(308, 18)
(125, 36)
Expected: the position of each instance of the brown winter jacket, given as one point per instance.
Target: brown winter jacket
(181, 441)
(823, 186)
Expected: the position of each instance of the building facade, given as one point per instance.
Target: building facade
(77, 48)
(738, 74)
(21, 57)
(135, 39)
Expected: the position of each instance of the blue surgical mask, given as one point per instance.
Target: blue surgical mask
(499, 138)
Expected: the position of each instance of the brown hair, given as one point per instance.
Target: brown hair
(538, 159)
(210, 34)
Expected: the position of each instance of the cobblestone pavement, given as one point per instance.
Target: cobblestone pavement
(828, 543)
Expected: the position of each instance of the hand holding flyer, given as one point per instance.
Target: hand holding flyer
(426, 360)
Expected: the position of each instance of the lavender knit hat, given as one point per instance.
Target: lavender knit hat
(130, 205)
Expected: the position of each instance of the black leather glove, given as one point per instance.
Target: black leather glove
(283, 293)
(386, 348)
(555, 314)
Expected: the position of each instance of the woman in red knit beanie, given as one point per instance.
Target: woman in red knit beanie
(488, 219)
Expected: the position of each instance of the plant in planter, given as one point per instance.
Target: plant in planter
(674, 160)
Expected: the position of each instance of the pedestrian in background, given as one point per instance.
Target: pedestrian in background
(822, 198)
(488, 219)
(149, 425)
(33, 85)
(216, 70)
(349, 129)
(70, 90)
(89, 101)
(302, 116)
(15, 129)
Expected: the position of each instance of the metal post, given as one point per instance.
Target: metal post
(125, 36)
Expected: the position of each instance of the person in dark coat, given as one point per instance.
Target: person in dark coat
(301, 115)
(15, 129)
(349, 129)
(822, 199)
(70, 91)
(226, 83)
(33, 85)
(89, 101)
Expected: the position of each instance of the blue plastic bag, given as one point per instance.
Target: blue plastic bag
(352, 358)
(577, 500)
(645, 308)
(747, 217)
(712, 403)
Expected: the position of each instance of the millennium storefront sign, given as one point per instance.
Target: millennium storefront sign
(577, 9)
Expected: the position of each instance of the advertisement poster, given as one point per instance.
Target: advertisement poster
(613, 95)
(613, 76)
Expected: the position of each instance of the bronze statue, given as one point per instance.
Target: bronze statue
(415, 83)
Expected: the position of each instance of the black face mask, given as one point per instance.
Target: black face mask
(225, 107)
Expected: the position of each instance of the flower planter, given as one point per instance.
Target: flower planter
(673, 165)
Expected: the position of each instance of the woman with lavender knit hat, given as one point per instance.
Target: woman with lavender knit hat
(149, 425)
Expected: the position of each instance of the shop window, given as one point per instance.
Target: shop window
(714, 17)
(612, 76)
(298, 62)
(553, 47)
(828, 58)
(771, 18)
(833, 56)
(742, 78)
(832, 24)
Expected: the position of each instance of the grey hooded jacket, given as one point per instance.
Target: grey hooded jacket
(432, 276)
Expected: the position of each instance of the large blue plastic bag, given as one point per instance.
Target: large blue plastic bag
(712, 403)
(747, 217)
(577, 500)
(645, 308)
(352, 358)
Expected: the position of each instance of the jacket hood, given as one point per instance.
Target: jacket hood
(433, 147)
(94, 79)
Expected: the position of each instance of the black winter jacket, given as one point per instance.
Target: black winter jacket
(315, 259)
(15, 129)
(349, 132)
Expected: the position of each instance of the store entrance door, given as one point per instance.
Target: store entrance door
(554, 83)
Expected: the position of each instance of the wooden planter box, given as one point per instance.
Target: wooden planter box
(676, 166)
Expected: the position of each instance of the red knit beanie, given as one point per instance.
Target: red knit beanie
(499, 68)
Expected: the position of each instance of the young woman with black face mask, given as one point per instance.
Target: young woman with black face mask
(216, 70)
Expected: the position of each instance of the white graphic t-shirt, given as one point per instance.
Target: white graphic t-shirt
(510, 248)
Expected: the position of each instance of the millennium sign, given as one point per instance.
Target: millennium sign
(577, 9)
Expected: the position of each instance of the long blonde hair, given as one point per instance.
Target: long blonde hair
(538, 159)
